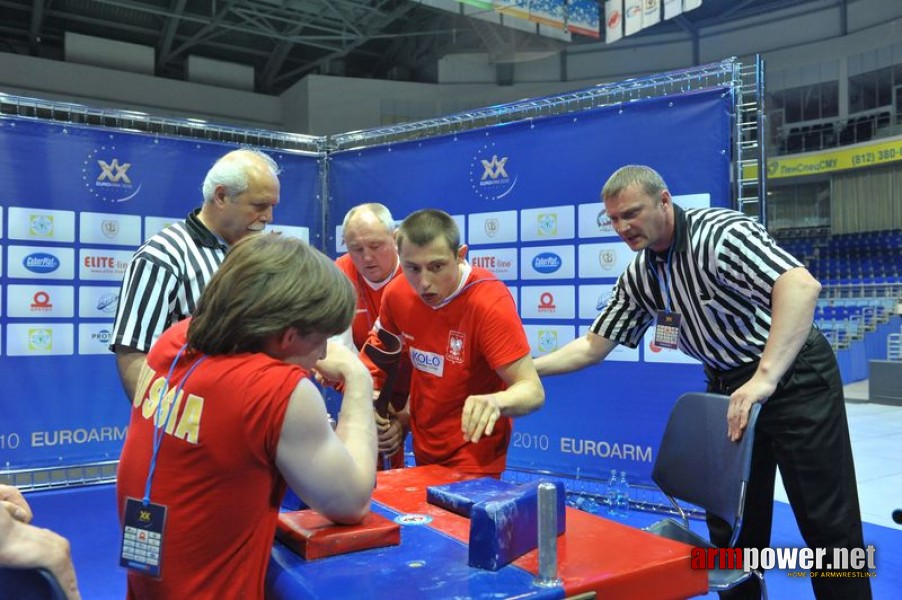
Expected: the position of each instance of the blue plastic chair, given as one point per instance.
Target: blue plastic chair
(697, 463)
(29, 584)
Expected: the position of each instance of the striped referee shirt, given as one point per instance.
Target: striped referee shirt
(719, 278)
(164, 281)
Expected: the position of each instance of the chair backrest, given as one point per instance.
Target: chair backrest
(29, 584)
(698, 463)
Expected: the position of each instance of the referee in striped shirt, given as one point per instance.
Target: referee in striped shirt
(167, 274)
(714, 284)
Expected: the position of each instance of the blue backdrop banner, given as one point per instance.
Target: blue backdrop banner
(75, 202)
(526, 198)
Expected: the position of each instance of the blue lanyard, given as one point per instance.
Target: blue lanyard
(158, 431)
(663, 282)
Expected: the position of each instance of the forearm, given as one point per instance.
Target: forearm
(578, 354)
(522, 398)
(793, 302)
(129, 362)
(356, 427)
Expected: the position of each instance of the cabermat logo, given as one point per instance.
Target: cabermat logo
(819, 562)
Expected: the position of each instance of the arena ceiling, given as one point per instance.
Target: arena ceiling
(284, 40)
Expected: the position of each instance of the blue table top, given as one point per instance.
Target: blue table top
(427, 564)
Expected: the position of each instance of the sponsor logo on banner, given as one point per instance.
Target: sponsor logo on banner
(41, 302)
(546, 303)
(109, 228)
(34, 262)
(547, 224)
(112, 229)
(106, 175)
(602, 301)
(33, 339)
(456, 341)
(428, 362)
(491, 177)
(103, 264)
(107, 303)
(97, 301)
(40, 339)
(94, 338)
(493, 227)
(41, 263)
(607, 258)
(547, 340)
(40, 225)
(592, 299)
(501, 262)
(546, 262)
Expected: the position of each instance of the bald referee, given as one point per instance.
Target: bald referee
(713, 283)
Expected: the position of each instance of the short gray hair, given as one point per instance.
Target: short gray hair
(647, 178)
(231, 171)
(380, 211)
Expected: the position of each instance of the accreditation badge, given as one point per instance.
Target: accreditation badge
(667, 329)
(142, 537)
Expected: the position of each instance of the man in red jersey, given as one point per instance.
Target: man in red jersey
(472, 369)
(371, 263)
(225, 414)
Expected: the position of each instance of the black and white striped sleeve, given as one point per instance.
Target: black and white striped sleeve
(748, 259)
(145, 300)
(625, 319)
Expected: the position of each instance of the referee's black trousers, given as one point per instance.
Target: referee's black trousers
(802, 429)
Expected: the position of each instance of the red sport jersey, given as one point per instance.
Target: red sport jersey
(455, 350)
(369, 298)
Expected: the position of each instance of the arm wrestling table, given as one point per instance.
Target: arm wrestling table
(595, 555)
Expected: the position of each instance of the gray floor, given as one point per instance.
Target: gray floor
(876, 431)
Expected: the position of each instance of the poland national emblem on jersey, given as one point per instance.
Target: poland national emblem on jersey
(456, 347)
